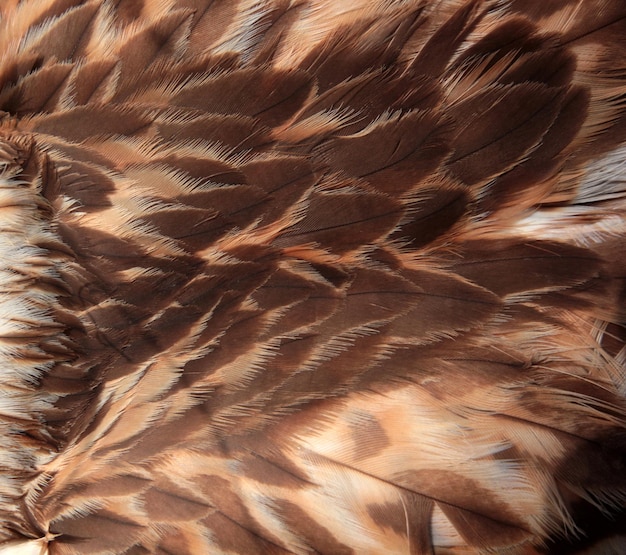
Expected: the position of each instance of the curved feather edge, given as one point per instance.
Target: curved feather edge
(287, 277)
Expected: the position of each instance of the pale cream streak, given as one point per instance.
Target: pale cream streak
(25, 321)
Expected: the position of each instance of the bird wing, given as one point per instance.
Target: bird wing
(304, 277)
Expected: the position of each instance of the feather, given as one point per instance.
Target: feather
(312, 277)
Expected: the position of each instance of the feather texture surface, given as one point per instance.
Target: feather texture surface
(308, 276)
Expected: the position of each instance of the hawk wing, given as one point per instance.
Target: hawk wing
(310, 277)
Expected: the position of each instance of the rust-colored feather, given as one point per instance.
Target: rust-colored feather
(312, 277)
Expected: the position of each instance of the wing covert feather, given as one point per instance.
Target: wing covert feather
(292, 277)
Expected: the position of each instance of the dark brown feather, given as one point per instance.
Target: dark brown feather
(313, 276)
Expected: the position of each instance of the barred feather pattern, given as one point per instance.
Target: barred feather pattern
(307, 276)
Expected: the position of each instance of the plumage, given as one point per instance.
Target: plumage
(312, 277)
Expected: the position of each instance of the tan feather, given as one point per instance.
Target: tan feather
(312, 277)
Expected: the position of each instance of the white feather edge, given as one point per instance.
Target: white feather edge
(22, 309)
(24, 315)
(29, 547)
(595, 213)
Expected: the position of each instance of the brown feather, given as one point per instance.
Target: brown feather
(312, 277)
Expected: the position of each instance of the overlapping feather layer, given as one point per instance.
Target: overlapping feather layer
(312, 276)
